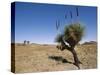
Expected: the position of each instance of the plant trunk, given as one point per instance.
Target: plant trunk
(72, 50)
(76, 60)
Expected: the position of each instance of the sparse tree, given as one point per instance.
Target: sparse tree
(25, 42)
(72, 34)
(28, 42)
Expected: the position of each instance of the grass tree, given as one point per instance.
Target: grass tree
(72, 34)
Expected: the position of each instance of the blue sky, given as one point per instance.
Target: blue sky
(37, 22)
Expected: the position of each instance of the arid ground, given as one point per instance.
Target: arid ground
(41, 58)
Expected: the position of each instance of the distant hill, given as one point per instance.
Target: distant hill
(88, 43)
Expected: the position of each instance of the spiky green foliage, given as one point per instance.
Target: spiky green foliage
(72, 34)
(74, 31)
(59, 38)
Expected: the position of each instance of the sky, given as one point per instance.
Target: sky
(36, 22)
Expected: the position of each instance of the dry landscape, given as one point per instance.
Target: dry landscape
(42, 58)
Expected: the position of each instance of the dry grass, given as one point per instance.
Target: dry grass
(41, 58)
